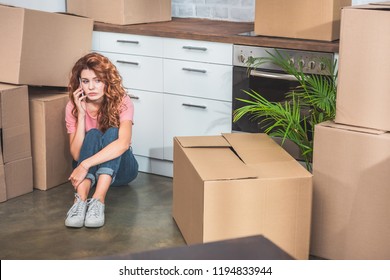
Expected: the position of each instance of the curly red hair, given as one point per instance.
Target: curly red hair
(105, 70)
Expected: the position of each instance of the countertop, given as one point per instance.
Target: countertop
(216, 31)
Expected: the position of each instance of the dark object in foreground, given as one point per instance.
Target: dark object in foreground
(246, 248)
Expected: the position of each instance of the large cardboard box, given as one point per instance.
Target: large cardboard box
(14, 122)
(351, 206)
(40, 48)
(363, 91)
(302, 19)
(122, 11)
(238, 185)
(18, 177)
(52, 162)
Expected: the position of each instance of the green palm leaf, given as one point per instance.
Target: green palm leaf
(315, 95)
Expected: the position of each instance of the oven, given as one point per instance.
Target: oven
(270, 82)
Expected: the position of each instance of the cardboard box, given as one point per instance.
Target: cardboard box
(351, 206)
(302, 19)
(52, 162)
(363, 91)
(40, 48)
(238, 185)
(18, 177)
(122, 11)
(15, 122)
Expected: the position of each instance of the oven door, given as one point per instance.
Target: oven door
(273, 86)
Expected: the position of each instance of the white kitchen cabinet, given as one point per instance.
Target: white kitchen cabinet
(139, 72)
(197, 79)
(148, 126)
(190, 116)
(130, 44)
(197, 89)
(201, 51)
(178, 87)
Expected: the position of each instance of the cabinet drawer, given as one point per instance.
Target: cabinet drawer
(128, 44)
(147, 138)
(211, 52)
(188, 116)
(139, 72)
(198, 79)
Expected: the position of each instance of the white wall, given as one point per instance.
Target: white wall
(44, 5)
(230, 10)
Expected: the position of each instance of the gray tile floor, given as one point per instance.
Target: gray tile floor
(138, 218)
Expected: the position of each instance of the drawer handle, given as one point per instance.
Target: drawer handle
(194, 70)
(194, 105)
(127, 62)
(195, 48)
(134, 96)
(128, 42)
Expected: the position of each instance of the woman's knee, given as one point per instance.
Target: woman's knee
(93, 134)
(110, 135)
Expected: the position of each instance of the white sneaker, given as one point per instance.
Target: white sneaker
(95, 213)
(76, 214)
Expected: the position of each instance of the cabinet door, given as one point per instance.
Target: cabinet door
(139, 72)
(147, 138)
(129, 44)
(188, 116)
(201, 51)
(198, 79)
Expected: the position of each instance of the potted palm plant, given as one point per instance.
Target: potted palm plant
(313, 101)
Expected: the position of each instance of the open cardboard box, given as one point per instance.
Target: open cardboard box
(363, 90)
(237, 185)
(351, 209)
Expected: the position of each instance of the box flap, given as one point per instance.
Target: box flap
(217, 163)
(203, 141)
(213, 158)
(254, 148)
(352, 128)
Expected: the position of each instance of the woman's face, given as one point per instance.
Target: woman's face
(92, 86)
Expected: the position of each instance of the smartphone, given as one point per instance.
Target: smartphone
(82, 93)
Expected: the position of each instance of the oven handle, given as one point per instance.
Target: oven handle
(273, 75)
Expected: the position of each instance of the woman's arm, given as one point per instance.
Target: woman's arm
(76, 139)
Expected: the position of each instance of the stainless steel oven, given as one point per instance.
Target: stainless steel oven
(269, 81)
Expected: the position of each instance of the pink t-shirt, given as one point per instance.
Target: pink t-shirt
(91, 122)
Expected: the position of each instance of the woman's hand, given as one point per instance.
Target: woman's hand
(79, 100)
(78, 175)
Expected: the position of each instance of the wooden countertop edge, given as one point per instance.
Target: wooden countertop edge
(215, 31)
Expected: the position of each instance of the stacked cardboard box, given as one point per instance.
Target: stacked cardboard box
(38, 49)
(122, 11)
(238, 185)
(52, 162)
(351, 161)
(16, 161)
(302, 19)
